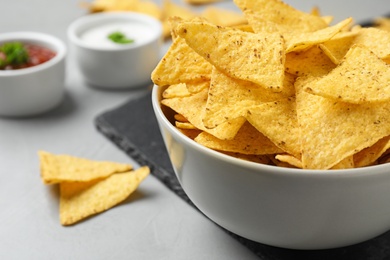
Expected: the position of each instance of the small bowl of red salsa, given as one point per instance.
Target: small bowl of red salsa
(32, 73)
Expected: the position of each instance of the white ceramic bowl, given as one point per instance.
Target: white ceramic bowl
(109, 65)
(283, 207)
(34, 90)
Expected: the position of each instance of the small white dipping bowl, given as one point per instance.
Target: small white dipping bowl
(106, 64)
(283, 207)
(34, 90)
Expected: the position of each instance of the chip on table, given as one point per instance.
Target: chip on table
(88, 187)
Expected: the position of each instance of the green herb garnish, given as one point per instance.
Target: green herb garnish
(13, 53)
(120, 38)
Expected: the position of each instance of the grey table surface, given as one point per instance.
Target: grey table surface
(158, 225)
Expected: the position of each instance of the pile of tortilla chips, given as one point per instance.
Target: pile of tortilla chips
(290, 89)
(88, 187)
(168, 9)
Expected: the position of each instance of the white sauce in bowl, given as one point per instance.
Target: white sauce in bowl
(98, 36)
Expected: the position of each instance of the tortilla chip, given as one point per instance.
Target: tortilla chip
(263, 159)
(258, 58)
(278, 121)
(338, 46)
(374, 39)
(332, 131)
(282, 15)
(185, 125)
(201, 2)
(79, 200)
(60, 168)
(346, 163)
(180, 118)
(362, 77)
(300, 41)
(291, 160)
(171, 9)
(369, 155)
(247, 141)
(193, 107)
(176, 90)
(312, 62)
(223, 17)
(229, 98)
(181, 65)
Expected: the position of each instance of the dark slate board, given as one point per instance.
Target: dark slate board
(133, 128)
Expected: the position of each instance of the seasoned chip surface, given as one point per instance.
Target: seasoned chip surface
(58, 168)
(79, 200)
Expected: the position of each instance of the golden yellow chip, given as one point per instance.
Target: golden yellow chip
(180, 118)
(190, 133)
(79, 200)
(223, 17)
(319, 93)
(258, 58)
(145, 7)
(247, 141)
(278, 121)
(192, 108)
(338, 46)
(201, 2)
(176, 90)
(181, 65)
(374, 39)
(300, 41)
(382, 23)
(60, 168)
(185, 125)
(332, 131)
(346, 163)
(149, 8)
(283, 15)
(263, 159)
(291, 160)
(229, 98)
(385, 158)
(362, 77)
(171, 9)
(310, 62)
(369, 155)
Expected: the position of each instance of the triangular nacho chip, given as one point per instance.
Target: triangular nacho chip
(332, 131)
(258, 58)
(301, 41)
(283, 129)
(311, 62)
(79, 200)
(193, 108)
(247, 141)
(60, 168)
(229, 98)
(283, 15)
(362, 77)
(369, 155)
(181, 65)
(374, 39)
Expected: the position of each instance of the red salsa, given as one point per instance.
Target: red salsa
(36, 55)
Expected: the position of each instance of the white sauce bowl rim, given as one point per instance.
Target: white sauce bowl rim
(82, 23)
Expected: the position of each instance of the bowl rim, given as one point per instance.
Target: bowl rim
(38, 38)
(291, 172)
(114, 15)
